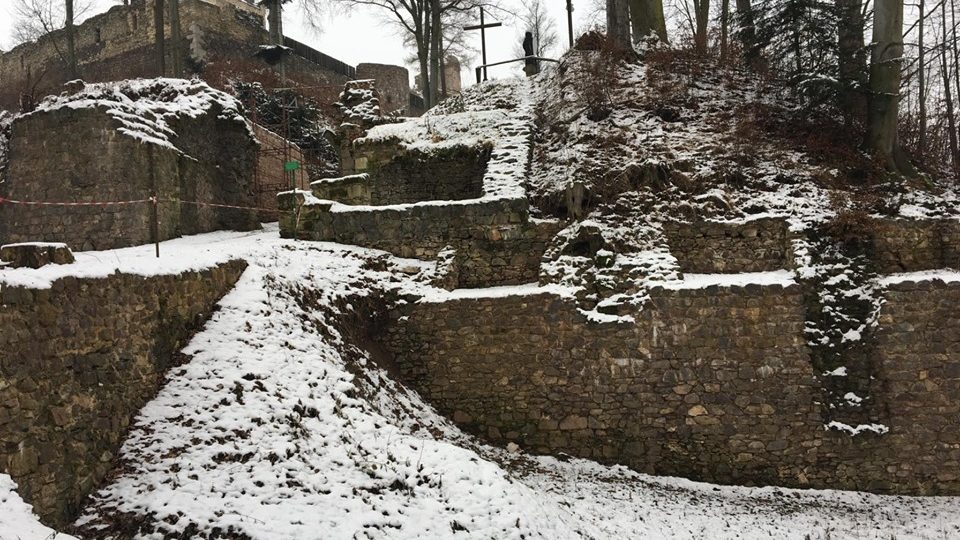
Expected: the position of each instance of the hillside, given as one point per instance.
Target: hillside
(288, 421)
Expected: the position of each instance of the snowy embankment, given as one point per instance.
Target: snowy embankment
(17, 520)
(280, 427)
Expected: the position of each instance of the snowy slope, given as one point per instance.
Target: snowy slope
(280, 428)
(17, 520)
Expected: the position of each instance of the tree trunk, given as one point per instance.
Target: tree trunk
(176, 52)
(746, 31)
(422, 38)
(947, 92)
(435, 37)
(851, 59)
(922, 81)
(724, 28)
(646, 18)
(71, 41)
(701, 11)
(618, 23)
(159, 38)
(885, 63)
(956, 60)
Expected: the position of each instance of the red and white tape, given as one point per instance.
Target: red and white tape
(124, 203)
(91, 203)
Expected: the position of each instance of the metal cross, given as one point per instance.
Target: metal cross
(483, 38)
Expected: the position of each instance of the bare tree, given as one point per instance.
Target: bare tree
(71, 39)
(159, 37)
(948, 94)
(37, 18)
(534, 18)
(618, 23)
(646, 18)
(885, 64)
(419, 24)
(724, 29)
(701, 11)
(851, 56)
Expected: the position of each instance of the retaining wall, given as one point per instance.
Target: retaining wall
(713, 384)
(715, 247)
(496, 242)
(408, 177)
(77, 361)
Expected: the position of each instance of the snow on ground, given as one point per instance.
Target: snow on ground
(17, 520)
(280, 427)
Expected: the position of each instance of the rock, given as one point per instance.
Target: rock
(36, 254)
(573, 422)
(697, 410)
(513, 448)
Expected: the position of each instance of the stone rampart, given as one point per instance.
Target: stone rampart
(713, 384)
(901, 245)
(119, 44)
(77, 361)
(83, 155)
(718, 247)
(495, 240)
(394, 176)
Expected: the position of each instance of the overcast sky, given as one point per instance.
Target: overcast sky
(361, 35)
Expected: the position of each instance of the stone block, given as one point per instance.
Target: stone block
(35, 254)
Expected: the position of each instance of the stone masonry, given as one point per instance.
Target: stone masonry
(77, 361)
(712, 247)
(87, 155)
(713, 384)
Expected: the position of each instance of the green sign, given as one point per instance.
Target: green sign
(291, 166)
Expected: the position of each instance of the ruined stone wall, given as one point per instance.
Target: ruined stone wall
(393, 84)
(495, 240)
(408, 176)
(918, 366)
(78, 155)
(712, 247)
(77, 362)
(119, 45)
(713, 384)
(912, 245)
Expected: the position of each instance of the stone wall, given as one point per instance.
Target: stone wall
(912, 245)
(714, 247)
(79, 155)
(713, 384)
(119, 45)
(393, 84)
(496, 242)
(77, 361)
(407, 176)
(271, 178)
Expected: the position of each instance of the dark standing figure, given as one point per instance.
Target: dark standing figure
(532, 65)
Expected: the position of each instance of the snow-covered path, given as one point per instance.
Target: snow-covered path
(279, 428)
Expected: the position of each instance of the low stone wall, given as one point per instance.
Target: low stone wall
(496, 242)
(713, 384)
(715, 247)
(918, 365)
(913, 245)
(77, 362)
(396, 176)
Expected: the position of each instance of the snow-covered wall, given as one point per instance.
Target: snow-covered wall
(77, 361)
(712, 382)
(121, 142)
